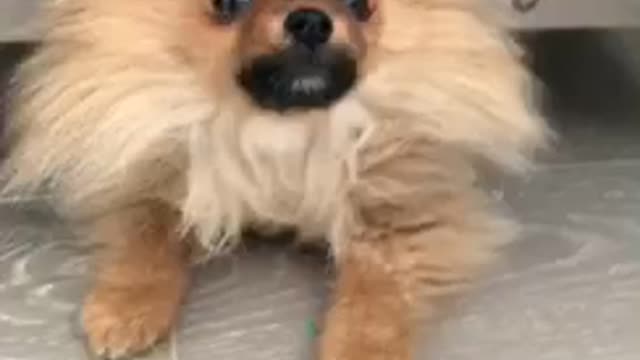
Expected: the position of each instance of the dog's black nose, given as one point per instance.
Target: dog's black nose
(309, 27)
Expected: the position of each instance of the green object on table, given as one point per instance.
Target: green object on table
(312, 329)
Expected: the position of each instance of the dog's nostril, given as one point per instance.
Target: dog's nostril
(309, 27)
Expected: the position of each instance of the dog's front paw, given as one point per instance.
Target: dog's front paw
(346, 338)
(121, 321)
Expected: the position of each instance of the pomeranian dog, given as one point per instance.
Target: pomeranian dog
(162, 129)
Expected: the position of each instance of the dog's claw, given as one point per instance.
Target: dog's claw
(117, 327)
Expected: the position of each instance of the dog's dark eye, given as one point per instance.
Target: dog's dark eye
(229, 10)
(361, 9)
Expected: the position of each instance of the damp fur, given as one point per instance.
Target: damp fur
(123, 105)
(106, 122)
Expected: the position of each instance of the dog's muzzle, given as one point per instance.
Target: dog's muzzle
(309, 73)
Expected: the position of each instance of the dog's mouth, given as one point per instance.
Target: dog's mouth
(298, 78)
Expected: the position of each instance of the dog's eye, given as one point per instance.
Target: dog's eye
(228, 10)
(361, 9)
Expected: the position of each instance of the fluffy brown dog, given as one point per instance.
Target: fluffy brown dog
(165, 127)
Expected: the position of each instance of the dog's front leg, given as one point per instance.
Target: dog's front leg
(141, 279)
(413, 230)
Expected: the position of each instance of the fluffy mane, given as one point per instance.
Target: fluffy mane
(108, 112)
